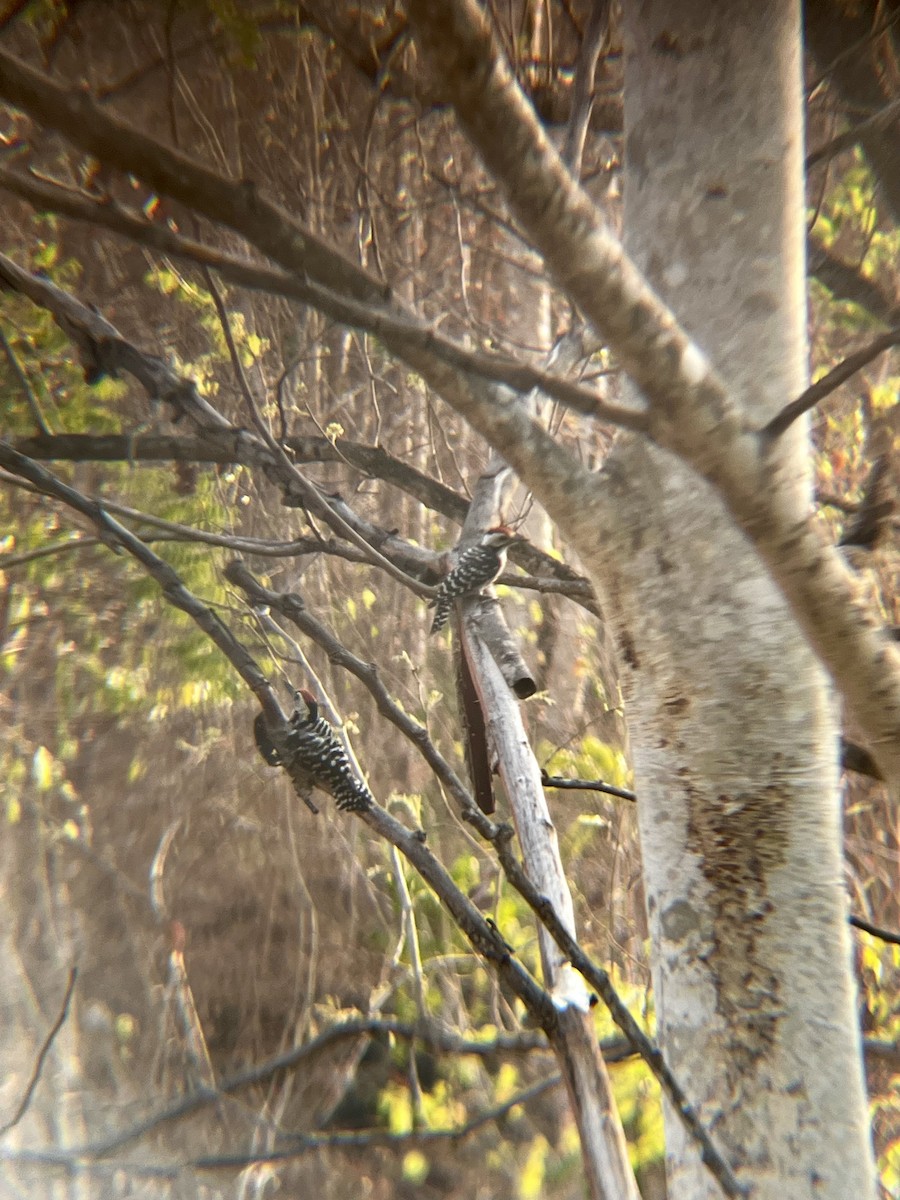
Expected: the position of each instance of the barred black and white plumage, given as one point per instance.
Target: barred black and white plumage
(313, 756)
(313, 745)
(477, 567)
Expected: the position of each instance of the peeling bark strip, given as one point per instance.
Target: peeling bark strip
(691, 412)
(604, 1151)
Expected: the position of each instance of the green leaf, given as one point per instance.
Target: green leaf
(42, 769)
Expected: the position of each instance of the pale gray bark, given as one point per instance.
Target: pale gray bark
(731, 720)
(690, 410)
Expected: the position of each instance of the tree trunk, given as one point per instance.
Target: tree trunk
(731, 720)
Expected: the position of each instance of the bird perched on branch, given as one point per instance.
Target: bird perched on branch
(477, 567)
(313, 756)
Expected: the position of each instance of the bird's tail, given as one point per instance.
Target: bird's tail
(441, 614)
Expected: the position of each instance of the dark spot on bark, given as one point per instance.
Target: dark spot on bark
(629, 653)
(739, 838)
(679, 920)
(677, 704)
(673, 46)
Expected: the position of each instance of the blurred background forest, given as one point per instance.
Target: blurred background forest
(139, 820)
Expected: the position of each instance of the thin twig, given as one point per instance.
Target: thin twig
(483, 937)
(884, 935)
(373, 318)
(116, 535)
(830, 383)
(78, 1160)
(843, 141)
(380, 1138)
(224, 446)
(293, 608)
(25, 384)
(42, 1054)
(585, 785)
(583, 87)
(311, 494)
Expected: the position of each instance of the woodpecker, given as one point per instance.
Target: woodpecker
(477, 567)
(313, 747)
(264, 744)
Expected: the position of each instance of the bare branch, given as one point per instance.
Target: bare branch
(402, 329)
(429, 1034)
(879, 121)
(846, 281)
(491, 410)
(297, 1145)
(877, 1050)
(225, 446)
(884, 935)
(585, 785)
(548, 575)
(397, 1142)
(830, 382)
(604, 1152)
(484, 938)
(10, 561)
(292, 607)
(690, 412)
(583, 87)
(173, 588)
(22, 379)
(57, 1025)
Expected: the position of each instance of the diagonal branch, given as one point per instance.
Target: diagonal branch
(176, 593)
(548, 574)
(294, 1146)
(238, 205)
(846, 281)
(482, 935)
(23, 382)
(607, 1169)
(879, 122)
(690, 412)
(57, 1025)
(877, 931)
(432, 1036)
(831, 382)
(592, 39)
(291, 606)
(379, 320)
